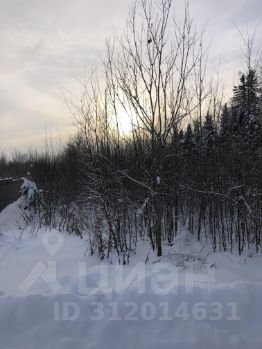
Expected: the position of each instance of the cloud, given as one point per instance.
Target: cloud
(48, 45)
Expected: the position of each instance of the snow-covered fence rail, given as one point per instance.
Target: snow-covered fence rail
(9, 191)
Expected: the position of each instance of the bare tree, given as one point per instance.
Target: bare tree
(151, 71)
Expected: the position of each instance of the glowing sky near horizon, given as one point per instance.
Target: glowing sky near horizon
(47, 46)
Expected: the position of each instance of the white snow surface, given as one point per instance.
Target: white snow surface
(70, 307)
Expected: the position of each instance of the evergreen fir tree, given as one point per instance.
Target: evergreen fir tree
(246, 96)
(225, 123)
(189, 141)
(208, 134)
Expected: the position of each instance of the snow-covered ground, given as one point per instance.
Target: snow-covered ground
(53, 295)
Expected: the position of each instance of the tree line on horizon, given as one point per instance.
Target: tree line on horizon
(190, 162)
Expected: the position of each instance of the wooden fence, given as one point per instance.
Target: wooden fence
(9, 191)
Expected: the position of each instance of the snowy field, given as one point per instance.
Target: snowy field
(53, 295)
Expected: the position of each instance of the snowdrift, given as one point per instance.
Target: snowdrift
(54, 296)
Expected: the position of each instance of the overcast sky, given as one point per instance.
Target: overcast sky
(47, 45)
